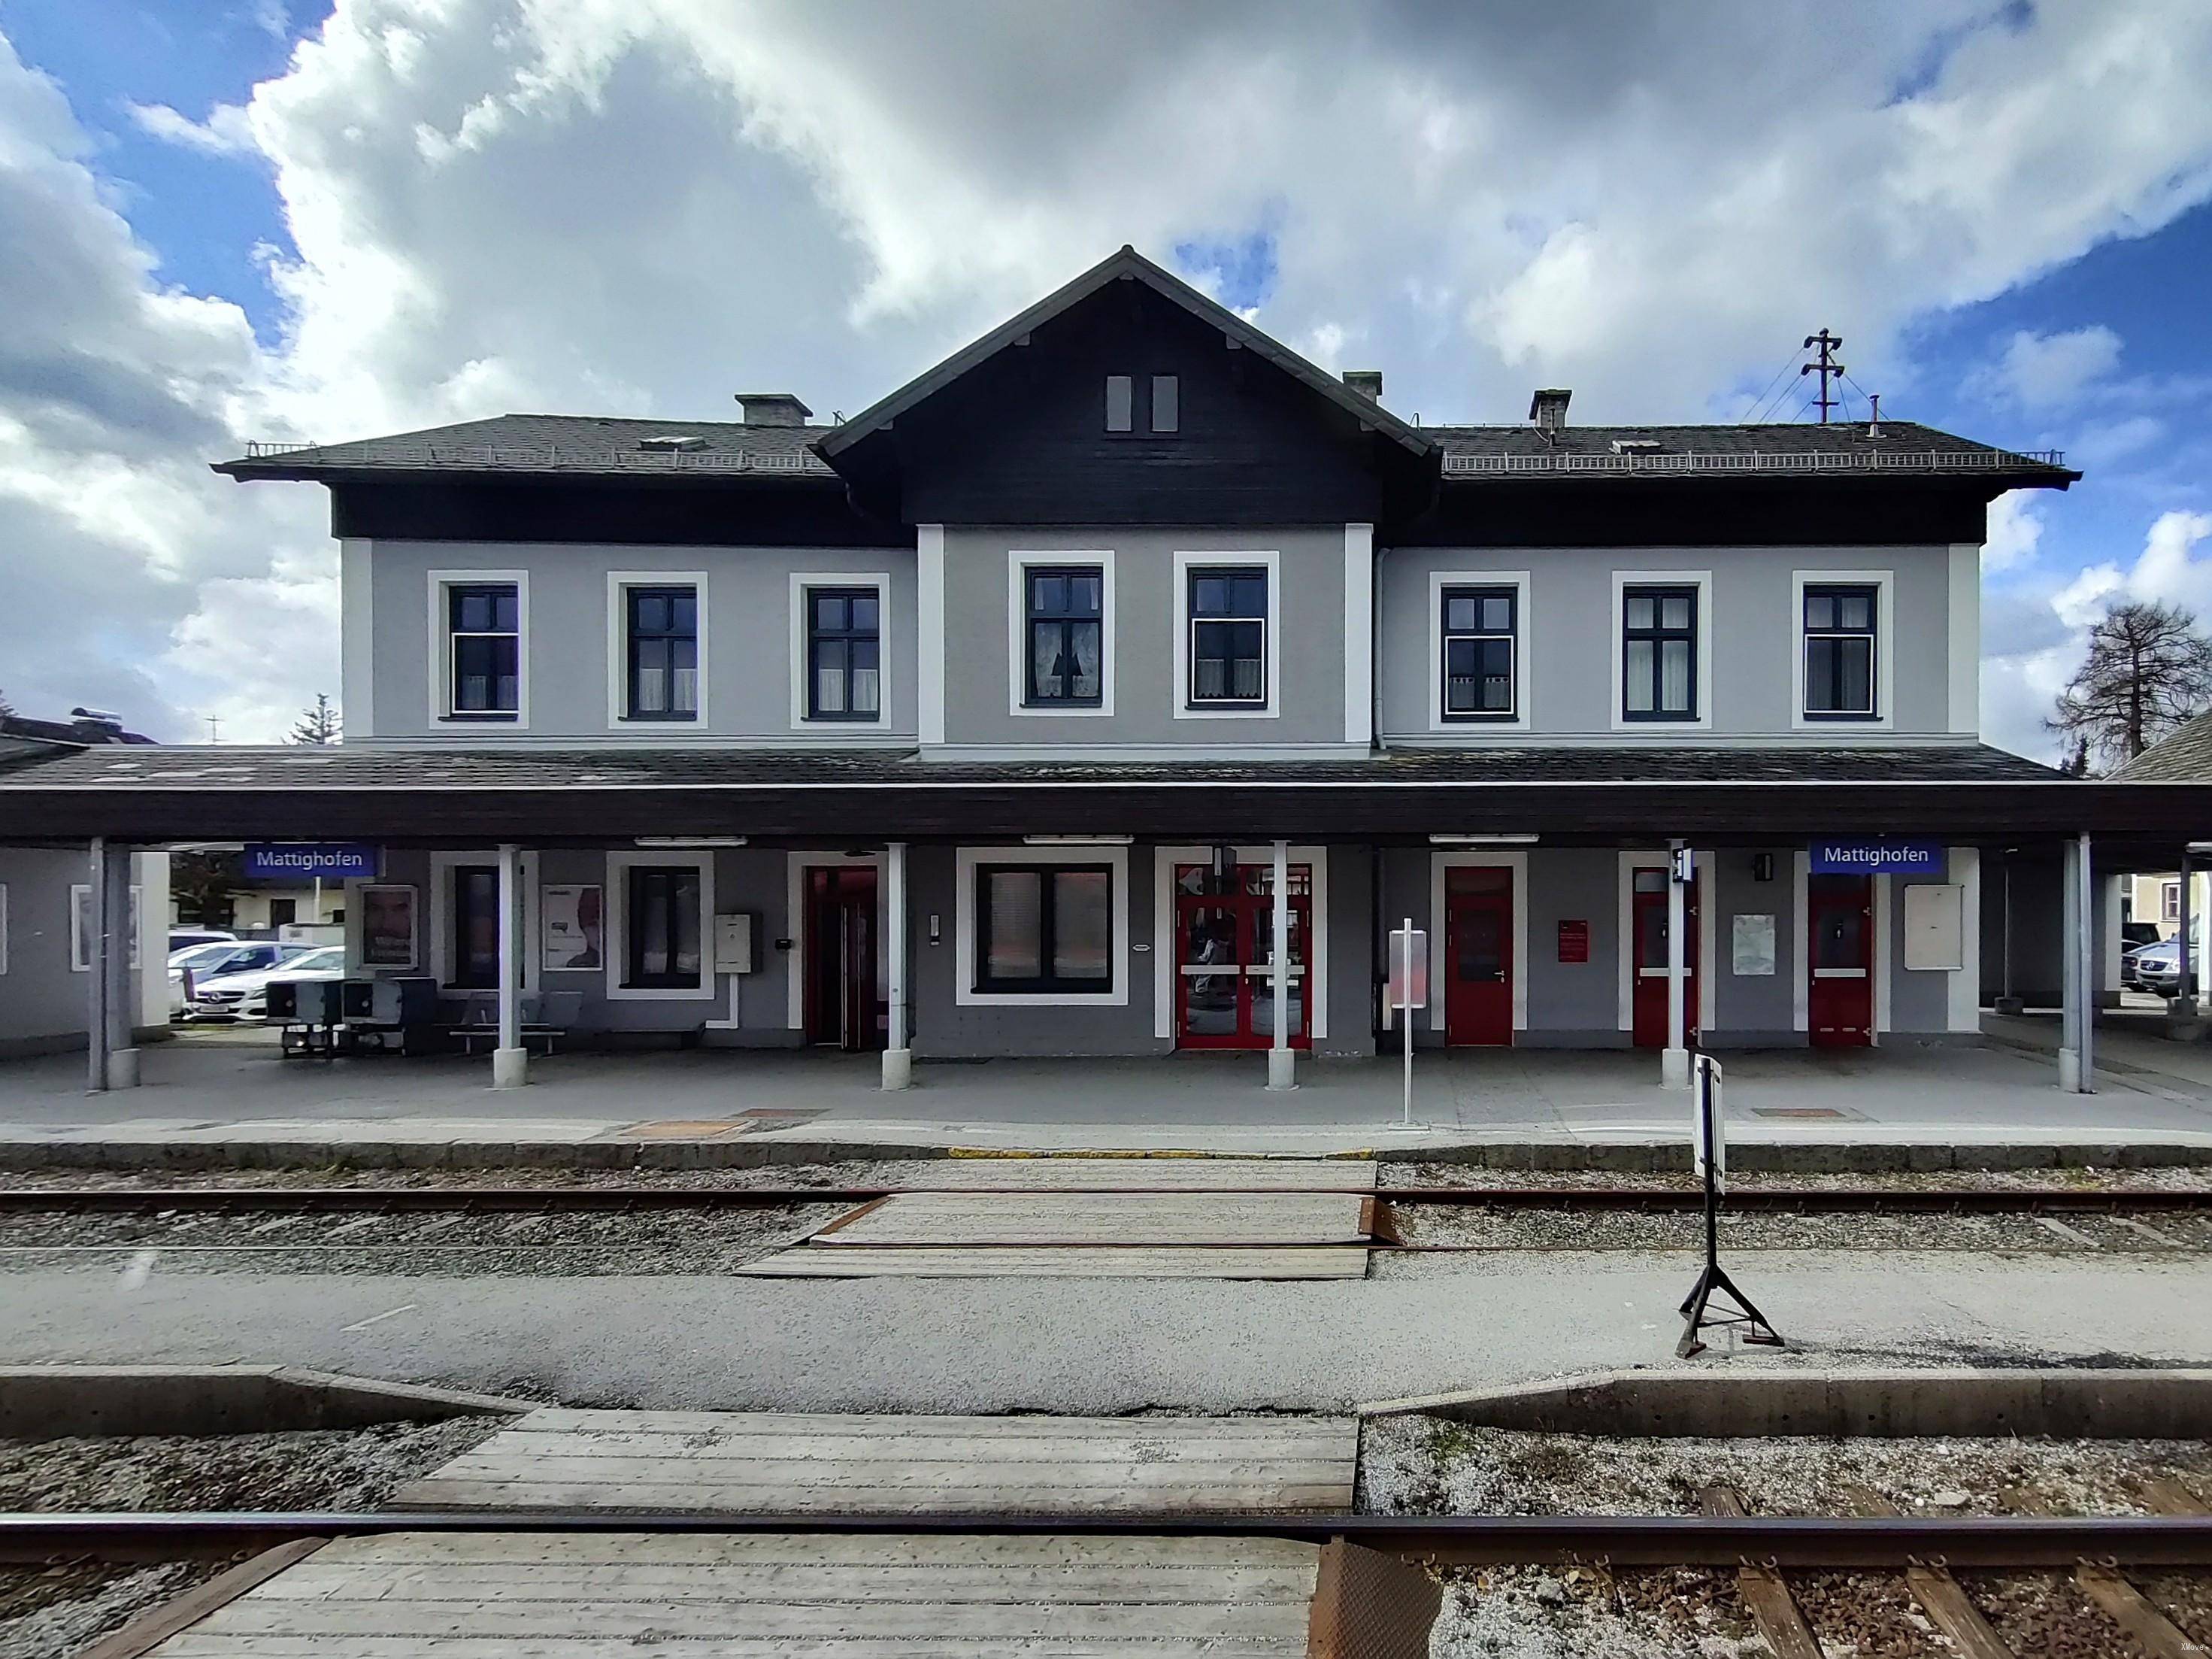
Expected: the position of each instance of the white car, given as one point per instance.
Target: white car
(245, 995)
(218, 958)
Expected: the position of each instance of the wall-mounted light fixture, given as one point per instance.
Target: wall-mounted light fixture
(1077, 840)
(688, 841)
(1762, 866)
(1473, 839)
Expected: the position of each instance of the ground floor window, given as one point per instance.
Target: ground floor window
(1045, 928)
(661, 921)
(475, 958)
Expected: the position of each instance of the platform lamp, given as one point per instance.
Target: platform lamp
(1762, 866)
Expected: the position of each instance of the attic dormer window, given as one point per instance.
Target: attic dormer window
(1637, 446)
(672, 443)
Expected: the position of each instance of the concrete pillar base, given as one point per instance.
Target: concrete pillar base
(2069, 1071)
(510, 1067)
(1282, 1068)
(123, 1069)
(2011, 1006)
(2108, 999)
(898, 1068)
(1673, 1069)
(2181, 1007)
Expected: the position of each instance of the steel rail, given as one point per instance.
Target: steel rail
(578, 1200)
(2005, 1541)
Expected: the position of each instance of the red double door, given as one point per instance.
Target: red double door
(1478, 987)
(1648, 936)
(1839, 961)
(1225, 956)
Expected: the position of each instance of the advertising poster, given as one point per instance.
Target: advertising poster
(570, 926)
(387, 927)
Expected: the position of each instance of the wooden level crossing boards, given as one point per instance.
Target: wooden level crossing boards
(632, 1595)
(783, 1464)
(1173, 1175)
(1112, 1218)
(1189, 1262)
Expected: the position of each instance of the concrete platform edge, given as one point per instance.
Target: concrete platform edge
(48, 1402)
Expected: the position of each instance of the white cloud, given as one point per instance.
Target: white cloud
(227, 130)
(643, 205)
(2014, 529)
(2043, 371)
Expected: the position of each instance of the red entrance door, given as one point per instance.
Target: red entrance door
(1479, 957)
(1225, 939)
(1839, 961)
(1649, 941)
(841, 958)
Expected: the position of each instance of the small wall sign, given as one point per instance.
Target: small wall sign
(312, 860)
(1877, 858)
(1574, 941)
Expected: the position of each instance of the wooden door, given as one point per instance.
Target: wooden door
(841, 1010)
(1479, 964)
(1648, 961)
(1839, 946)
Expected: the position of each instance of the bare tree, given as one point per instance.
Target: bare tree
(2148, 669)
(318, 725)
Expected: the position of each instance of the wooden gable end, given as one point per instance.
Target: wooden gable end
(1022, 437)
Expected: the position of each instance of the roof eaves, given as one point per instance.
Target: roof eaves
(1126, 262)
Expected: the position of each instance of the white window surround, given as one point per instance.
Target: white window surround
(80, 897)
(1883, 582)
(1518, 581)
(1165, 860)
(1019, 562)
(796, 866)
(801, 580)
(440, 706)
(965, 995)
(929, 632)
(619, 582)
(1964, 615)
(1800, 953)
(1359, 579)
(441, 919)
(1707, 932)
(616, 900)
(3, 927)
(1702, 581)
(1184, 563)
(1438, 927)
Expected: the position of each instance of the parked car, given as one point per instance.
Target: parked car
(182, 939)
(2134, 936)
(2157, 968)
(198, 963)
(325, 963)
(222, 989)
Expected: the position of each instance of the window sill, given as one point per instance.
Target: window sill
(489, 717)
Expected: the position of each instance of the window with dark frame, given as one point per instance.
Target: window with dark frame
(1659, 653)
(1065, 609)
(660, 928)
(1481, 633)
(1121, 399)
(1228, 609)
(1167, 403)
(483, 635)
(474, 963)
(660, 626)
(844, 652)
(1042, 928)
(1839, 651)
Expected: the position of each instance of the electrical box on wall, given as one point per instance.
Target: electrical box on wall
(733, 942)
(1934, 933)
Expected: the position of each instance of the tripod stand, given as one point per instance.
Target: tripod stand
(1697, 1313)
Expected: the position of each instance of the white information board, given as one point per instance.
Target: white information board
(1409, 968)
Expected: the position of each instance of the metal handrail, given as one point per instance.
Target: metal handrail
(1793, 461)
(530, 460)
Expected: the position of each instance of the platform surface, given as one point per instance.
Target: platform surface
(631, 1595)
(787, 1463)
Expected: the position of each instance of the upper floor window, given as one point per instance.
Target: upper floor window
(844, 653)
(2169, 901)
(1481, 632)
(1166, 413)
(1228, 622)
(660, 629)
(1839, 626)
(484, 632)
(1659, 653)
(1167, 403)
(1066, 611)
(1121, 400)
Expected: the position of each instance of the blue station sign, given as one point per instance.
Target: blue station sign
(313, 860)
(1877, 858)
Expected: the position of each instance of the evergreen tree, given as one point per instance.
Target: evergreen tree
(318, 725)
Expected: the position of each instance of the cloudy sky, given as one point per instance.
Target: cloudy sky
(222, 220)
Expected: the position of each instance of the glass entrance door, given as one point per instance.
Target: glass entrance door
(1225, 942)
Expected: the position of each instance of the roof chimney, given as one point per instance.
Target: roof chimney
(1367, 382)
(772, 409)
(1548, 408)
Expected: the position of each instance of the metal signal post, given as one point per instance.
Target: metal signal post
(1711, 1157)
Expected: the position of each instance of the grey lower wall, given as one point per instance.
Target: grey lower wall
(44, 1002)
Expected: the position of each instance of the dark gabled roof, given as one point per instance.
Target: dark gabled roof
(1896, 448)
(703, 767)
(84, 729)
(2182, 756)
(554, 446)
(1132, 266)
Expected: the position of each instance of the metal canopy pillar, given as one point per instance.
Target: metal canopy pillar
(122, 940)
(510, 1062)
(1282, 1062)
(2077, 972)
(2184, 1000)
(898, 1057)
(97, 984)
(1674, 1061)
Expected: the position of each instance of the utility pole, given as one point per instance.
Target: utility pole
(1827, 368)
(215, 729)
